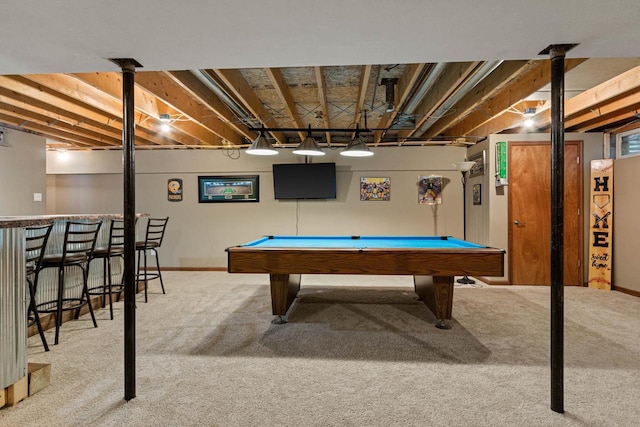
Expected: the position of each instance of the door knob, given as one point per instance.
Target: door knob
(518, 223)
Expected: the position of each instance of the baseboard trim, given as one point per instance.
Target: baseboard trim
(191, 268)
(626, 291)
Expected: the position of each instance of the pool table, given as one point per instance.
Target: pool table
(432, 260)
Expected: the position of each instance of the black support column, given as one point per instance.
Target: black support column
(129, 173)
(557, 54)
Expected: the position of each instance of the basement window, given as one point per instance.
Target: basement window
(628, 144)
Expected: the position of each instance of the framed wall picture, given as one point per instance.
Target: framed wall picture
(375, 189)
(480, 159)
(174, 190)
(429, 190)
(215, 189)
(477, 194)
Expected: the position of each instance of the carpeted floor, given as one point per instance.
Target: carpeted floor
(357, 351)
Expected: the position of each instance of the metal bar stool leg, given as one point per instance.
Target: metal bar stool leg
(33, 309)
(159, 273)
(59, 306)
(85, 290)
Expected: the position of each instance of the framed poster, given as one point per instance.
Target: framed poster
(215, 189)
(477, 194)
(375, 189)
(429, 190)
(480, 159)
(174, 190)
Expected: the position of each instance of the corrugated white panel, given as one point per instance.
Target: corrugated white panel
(13, 316)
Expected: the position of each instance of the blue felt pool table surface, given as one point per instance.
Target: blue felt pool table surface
(362, 242)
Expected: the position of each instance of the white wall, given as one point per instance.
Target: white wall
(626, 231)
(197, 233)
(22, 173)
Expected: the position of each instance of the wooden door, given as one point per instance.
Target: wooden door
(530, 213)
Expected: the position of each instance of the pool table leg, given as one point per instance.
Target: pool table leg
(284, 288)
(437, 294)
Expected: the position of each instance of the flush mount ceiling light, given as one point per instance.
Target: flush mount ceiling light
(309, 147)
(261, 146)
(165, 120)
(357, 147)
(528, 115)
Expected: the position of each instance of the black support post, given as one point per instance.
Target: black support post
(557, 54)
(129, 170)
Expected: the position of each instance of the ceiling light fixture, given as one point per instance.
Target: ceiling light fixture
(357, 147)
(528, 115)
(261, 146)
(165, 120)
(309, 147)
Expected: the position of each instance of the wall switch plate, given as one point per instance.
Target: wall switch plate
(37, 197)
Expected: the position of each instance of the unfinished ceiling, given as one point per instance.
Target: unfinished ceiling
(429, 104)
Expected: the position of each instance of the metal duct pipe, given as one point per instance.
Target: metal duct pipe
(424, 88)
(206, 79)
(483, 72)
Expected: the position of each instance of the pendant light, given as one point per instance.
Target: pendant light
(309, 147)
(261, 146)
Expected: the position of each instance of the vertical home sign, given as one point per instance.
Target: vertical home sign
(601, 228)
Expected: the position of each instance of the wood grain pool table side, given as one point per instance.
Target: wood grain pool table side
(433, 268)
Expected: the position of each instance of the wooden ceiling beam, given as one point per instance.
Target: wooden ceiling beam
(486, 88)
(284, 93)
(112, 130)
(633, 125)
(405, 84)
(63, 90)
(106, 126)
(450, 79)
(322, 99)
(625, 105)
(48, 131)
(44, 120)
(153, 104)
(365, 76)
(236, 83)
(205, 96)
(206, 122)
(507, 120)
(604, 119)
(522, 86)
(618, 93)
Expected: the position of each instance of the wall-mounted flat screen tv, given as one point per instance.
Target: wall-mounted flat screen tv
(304, 180)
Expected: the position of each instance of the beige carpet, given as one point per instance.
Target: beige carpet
(357, 351)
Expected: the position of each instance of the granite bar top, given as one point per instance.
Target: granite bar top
(27, 221)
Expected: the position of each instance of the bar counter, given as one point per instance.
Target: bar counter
(13, 283)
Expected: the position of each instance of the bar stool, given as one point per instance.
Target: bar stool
(114, 248)
(152, 241)
(36, 238)
(77, 249)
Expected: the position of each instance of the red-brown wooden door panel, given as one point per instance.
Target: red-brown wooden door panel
(530, 213)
